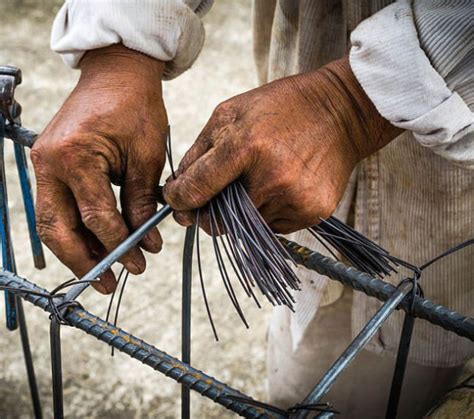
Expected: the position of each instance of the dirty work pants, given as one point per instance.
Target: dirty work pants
(363, 388)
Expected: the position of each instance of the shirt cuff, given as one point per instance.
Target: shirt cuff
(396, 74)
(168, 30)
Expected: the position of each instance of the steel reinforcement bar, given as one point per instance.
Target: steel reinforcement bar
(374, 287)
(136, 348)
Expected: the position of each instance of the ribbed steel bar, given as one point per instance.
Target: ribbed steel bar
(136, 348)
(374, 287)
(369, 330)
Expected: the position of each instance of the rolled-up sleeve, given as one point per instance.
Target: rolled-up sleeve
(168, 30)
(414, 59)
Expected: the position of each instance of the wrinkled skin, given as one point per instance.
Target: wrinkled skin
(293, 143)
(111, 129)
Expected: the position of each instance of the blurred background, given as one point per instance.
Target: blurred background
(95, 384)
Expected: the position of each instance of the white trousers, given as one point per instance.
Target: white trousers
(363, 388)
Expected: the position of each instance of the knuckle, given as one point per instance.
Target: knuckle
(142, 207)
(36, 156)
(93, 217)
(47, 228)
(223, 108)
(226, 111)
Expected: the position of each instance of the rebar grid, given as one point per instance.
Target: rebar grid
(144, 352)
(208, 386)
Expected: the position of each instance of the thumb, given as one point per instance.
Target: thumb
(206, 176)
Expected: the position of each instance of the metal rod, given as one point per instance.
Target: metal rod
(30, 369)
(373, 287)
(400, 367)
(22, 166)
(355, 347)
(136, 348)
(118, 252)
(56, 368)
(8, 260)
(20, 135)
(186, 315)
(14, 308)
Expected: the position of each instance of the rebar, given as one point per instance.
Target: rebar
(423, 308)
(140, 350)
(355, 347)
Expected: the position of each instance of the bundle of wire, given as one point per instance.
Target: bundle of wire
(243, 241)
(362, 253)
(241, 236)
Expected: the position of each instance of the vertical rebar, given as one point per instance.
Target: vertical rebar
(186, 315)
(56, 367)
(30, 370)
(400, 367)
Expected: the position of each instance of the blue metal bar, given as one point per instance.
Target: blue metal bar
(8, 259)
(118, 252)
(14, 308)
(355, 347)
(160, 361)
(22, 166)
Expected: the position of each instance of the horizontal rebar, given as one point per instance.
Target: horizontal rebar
(148, 354)
(422, 308)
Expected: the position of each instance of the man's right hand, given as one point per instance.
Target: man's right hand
(111, 129)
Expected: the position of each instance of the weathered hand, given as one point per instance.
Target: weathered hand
(293, 143)
(111, 129)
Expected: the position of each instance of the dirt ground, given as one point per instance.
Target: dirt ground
(95, 384)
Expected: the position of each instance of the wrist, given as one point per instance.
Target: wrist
(119, 64)
(365, 127)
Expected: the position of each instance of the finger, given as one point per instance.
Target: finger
(107, 283)
(284, 226)
(138, 199)
(97, 206)
(185, 218)
(206, 177)
(59, 226)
